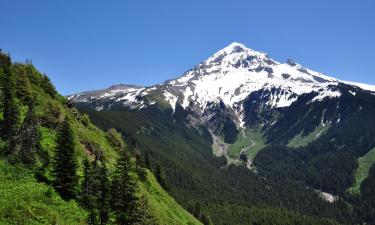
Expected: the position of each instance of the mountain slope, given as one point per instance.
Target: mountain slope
(231, 106)
(26, 195)
(229, 76)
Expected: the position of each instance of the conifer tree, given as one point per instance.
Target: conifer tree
(104, 195)
(124, 191)
(32, 73)
(88, 194)
(65, 167)
(10, 106)
(144, 216)
(147, 160)
(160, 177)
(140, 167)
(23, 85)
(28, 139)
(48, 86)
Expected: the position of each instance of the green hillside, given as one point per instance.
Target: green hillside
(32, 117)
(165, 208)
(25, 201)
(362, 172)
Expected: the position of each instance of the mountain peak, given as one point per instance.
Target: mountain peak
(236, 54)
(237, 47)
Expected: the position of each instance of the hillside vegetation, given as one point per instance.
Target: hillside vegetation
(56, 167)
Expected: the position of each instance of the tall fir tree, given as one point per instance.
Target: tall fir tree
(104, 195)
(47, 86)
(27, 142)
(88, 194)
(160, 177)
(124, 191)
(11, 113)
(95, 192)
(23, 84)
(147, 160)
(65, 165)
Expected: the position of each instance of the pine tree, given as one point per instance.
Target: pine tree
(124, 191)
(144, 216)
(95, 192)
(32, 73)
(23, 84)
(147, 160)
(10, 123)
(104, 195)
(160, 177)
(65, 167)
(88, 194)
(140, 167)
(48, 86)
(28, 139)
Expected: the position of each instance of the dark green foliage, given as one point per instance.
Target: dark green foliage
(230, 131)
(23, 84)
(36, 124)
(10, 123)
(26, 148)
(114, 137)
(32, 73)
(194, 175)
(243, 157)
(206, 220)
(365, 201)
(329, 162)
(147, 160)
(94, 195)
(124, 198)
(48, 86)
(160, 177)
(88, 195)
(104, 195)
(65, 165)
(140, 166)
(5, 60)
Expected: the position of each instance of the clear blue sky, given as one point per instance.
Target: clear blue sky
(92, 44)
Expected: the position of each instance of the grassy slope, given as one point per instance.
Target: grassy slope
(165, 208)
(25, 201)
(251, 140)
(364, 164)
(29, 196)
(300, 140)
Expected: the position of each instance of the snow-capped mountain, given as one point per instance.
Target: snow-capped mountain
(228, 77)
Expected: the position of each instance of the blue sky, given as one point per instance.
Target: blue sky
(92, 44)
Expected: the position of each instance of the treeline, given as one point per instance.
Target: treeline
(109, 197)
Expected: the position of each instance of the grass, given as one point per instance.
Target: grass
(300, 140)
(25, 201)
(251, 140)
(166, 210)
(96, 137)
(364, 164)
